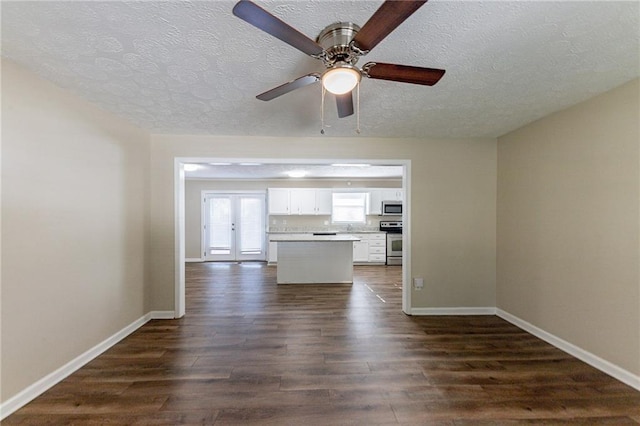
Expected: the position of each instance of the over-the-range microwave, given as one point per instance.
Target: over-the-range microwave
(391, 208)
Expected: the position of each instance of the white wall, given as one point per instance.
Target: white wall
(568, 225)
(74, 227)
(453, 202)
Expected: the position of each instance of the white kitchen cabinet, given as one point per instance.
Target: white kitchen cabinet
(372, 248)
(378, 258)
(378, 238)
(377, 247)
(324, 201)
(374, 205)
(360, 250)
(391, 194)
(278, 201)
(309, 201)
(378, 195)
(318, 201)
(302, 201)
(273, 252)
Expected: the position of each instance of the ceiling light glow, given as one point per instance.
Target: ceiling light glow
(296, 173)
(341, 79)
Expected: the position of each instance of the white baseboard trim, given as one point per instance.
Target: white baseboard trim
(193, 259)
(454, 311)
(34, 390)
(603, 365)
(161, 315)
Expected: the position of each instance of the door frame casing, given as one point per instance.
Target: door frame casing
(179, 215)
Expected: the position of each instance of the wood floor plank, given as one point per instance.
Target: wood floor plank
(582, 421)
(159, 418)
(324, 414)
(229, 399)
(252, 352)
(95, 404)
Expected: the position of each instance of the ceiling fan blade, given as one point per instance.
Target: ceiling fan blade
(403, 73)
(289, 87)
(387, 18)
(261, 19)
(345, 104)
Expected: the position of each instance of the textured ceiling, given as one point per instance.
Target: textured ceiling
(192, 67)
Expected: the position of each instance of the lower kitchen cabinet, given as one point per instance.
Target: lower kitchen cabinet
(372, 248)
(360, 250)
(378, 248)
(377, 254)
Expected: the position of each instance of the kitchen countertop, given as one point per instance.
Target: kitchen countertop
(303, 238)
(341, 232)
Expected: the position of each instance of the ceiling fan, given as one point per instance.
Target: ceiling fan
(339, 46)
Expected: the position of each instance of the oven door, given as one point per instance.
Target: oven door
(394, 249)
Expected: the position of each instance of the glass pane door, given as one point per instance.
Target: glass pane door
(219, 227)
(251, 224)
(234, 227)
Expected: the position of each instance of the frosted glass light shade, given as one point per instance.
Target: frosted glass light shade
(340, 80)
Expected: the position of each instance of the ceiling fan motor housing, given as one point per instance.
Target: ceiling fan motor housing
(339, 46)
(335, 40)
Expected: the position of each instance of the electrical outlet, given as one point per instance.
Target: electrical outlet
(418, 283)
(326, 222)
(274, 222)
(284, 221)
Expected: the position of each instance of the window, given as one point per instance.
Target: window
(349, 207)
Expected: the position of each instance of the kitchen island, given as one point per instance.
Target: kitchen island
(314, 259)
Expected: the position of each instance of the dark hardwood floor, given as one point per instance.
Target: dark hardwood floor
(251, 352)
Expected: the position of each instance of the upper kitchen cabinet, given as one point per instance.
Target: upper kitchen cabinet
(378, 195)
(324, 201)
(300, 201)
(310, 201)
(278, 201)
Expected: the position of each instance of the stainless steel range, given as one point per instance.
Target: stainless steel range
(394, 241)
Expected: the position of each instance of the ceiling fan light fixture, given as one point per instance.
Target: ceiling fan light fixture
(341, 79)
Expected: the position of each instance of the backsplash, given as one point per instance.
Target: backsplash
(305, 224)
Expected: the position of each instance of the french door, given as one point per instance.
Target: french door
(234, 226)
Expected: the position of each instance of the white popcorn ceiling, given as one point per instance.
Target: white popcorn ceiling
(193, 67)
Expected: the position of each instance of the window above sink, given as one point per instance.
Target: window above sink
(349, 207)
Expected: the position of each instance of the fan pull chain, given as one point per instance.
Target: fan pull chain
(358, 108)
(324, 91)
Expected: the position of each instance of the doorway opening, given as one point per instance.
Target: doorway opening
(179, 203)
